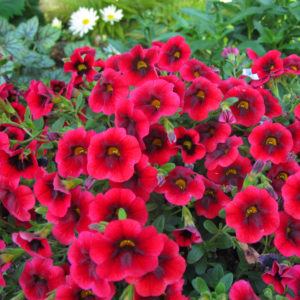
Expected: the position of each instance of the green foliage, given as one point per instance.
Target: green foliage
(10, 8)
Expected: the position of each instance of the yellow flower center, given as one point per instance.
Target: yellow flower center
(85, 294)
(196, 74)
(77, 210)
(201, 94)
(85, 21)
(272, 67)
(110, 17)
(109, 88)
(188, 144)
(157, 142)
(177, 54)
(282, 175)
(288, 229)
(209, 192)
(251, 210)
(141, 64)
(271, 141)
(230, 171)
(81, 67)
(79, 150)
(294, 68)
(243, 104)
(113, 151)
(212, 131)
(125, 243)
(181, 183)
(156, 103)
(41, 277)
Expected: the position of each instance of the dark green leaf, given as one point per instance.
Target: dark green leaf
(195, 13)
(159, 223)
(38, 124)
(46, 38)
(58, 124)
(227, 280)
(259, 49)
(210, 226)
(200, 285)
(195, 254)
(36, 60)
(5, 26)
(27, 30)
(216, 274)
(254, 10)
(223, 242)
(222, 213)
(201, 266)
(9, 8)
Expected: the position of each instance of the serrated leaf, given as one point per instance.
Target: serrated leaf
(9, 8)
(36, 60)
(5, 27)
(195, 254)
(122, 214)
(227, 280)
(46, 38)
(210, 226)
(159, 223)
(27, 30)
(200, 285)
(11, 44)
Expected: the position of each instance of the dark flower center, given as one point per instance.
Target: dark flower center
(108, 87)
(36, 245)
(157, 142)
(243, 104)
(20, 164)
(200, 94)
(113, 151)
(196, 74)
(282, 175)
(271, 141)
(186, 233)
(79, 150)
(86, 295)
(231, 171)
(141, 64)
(187, 144)
(251, 210)
(209, 192)
(155, 103)
(181, 183)
(294, 68)
(39, 279)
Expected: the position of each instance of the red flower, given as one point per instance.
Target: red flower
(112, 154)
(242, 290)
(155, 98)
(267, 66)
(157, 145)
(234, 174)
(253, 213)
(170, 269)
(111, 88)
(212, 133)
(82, 66)
(181, 185)
(297, 111)
(226, 85)
(212, 201)
(39, 99)
(194, 68)
(225, 154)
(4, 141)
(3, 266)
(15, 164)
(40, 277)
(112, 62)
(143, 181)
(138, 65)
(287, 236)
(71, 155)
(291, 195)
(33, 244)
(280, 173)
(275, 277)
(188, 142)
(17, 199)
(83, 268)
(201, 97)
(291, 64)
(126, 250)
(106, 207)
(178, 88)
(51, 192)
(186, 236)
(173, 54)
(295, 131)
(250, 107)
(58, 87)
(132, 119)
(76, 217)
(270, 141)
(272, 107)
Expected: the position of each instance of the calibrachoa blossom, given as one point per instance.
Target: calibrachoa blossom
(270, 141)
(113, 154)
(186, 236)
(126, 250)
(242, 290)
(253, 213)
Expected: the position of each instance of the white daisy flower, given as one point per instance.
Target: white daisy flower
(83, 20)
(111, 14)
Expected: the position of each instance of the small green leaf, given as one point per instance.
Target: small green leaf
(168, 167)
(200, 285)
(38, 124)
(195, 254)
(222, 213)
(227, 281)
(210, 226)
(159, 223)
(220, 288)
(223, 241)
(122, 214)
(58, 124)
(215, 275)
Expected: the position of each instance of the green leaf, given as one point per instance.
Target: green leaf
(254, 10)
(220, 288)
(5, 27)
(9, 8)
(58, 124)
(159, 223)
(36, 60)
(227, 280)
(122, 214)
(210, 226)
(223, 241)
(222, 213)
(195, 13)
(12, 44)
(46, 38)
(216, 274)
(168, 167)
(259, 49)
(195, 254)
(201, 266)
(200, 285)
(27, 30)
(38, 124)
